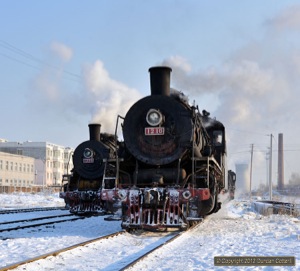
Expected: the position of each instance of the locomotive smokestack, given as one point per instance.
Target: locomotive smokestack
(160, 80)
(95, 131)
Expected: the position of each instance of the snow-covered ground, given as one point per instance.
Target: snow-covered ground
(29, 200)
(236, 230)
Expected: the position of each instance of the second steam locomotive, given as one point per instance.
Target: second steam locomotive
(168, 171)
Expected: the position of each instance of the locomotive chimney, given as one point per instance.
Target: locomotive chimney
(95, 131)
(160, 80)
(280, 162)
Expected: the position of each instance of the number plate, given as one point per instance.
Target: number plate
(154, 131)
(88, 160)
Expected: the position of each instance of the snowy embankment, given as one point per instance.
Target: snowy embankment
(28, 200)
(236, 230)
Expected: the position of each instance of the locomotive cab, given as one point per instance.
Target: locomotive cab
(219, 146)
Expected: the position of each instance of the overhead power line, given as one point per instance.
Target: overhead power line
(32, 58)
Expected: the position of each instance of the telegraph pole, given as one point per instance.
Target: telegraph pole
(251, 171)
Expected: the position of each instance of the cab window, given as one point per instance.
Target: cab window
(217, 138)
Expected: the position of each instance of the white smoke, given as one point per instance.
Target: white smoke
(64, 52)
(287, 20)
(47, 87)
(109, 98)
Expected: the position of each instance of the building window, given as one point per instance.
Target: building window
(6, 165)
(16, 166)
(11, 166)
(1, 164)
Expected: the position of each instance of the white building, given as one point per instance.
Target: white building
(51, 160)
(17, 172)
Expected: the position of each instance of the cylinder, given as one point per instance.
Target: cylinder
(160, 80)
(95, 131)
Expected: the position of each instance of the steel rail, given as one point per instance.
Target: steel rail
(140, 258)
(173, 236)
(40, 224)
(27, 210)
(33, 219)
(59, 251)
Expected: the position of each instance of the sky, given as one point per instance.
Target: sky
(235, 230)
(66, 64)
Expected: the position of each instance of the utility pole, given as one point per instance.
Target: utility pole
(251, 171)
(270, 169)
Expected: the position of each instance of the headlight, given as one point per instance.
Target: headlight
(88, 153)
(154, 117)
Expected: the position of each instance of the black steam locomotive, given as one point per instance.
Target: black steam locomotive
(94, 169)
(175, 157)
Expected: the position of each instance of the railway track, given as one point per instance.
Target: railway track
(140, 258)
(133, 245)
(33, 219)
(28, 210)
(59, 251)
(29, 222)
(137, 245)
(169, 240)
